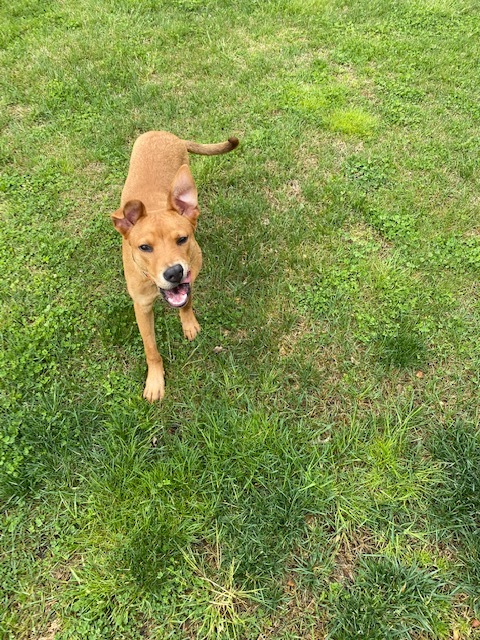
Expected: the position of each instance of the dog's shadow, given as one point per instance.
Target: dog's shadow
(117, 325)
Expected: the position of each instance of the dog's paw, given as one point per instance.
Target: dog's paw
(191, 329)
(154, 386)
(154, 393)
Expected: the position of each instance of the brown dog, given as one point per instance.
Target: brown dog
(157, 217)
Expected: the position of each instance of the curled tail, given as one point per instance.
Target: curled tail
(212, 149)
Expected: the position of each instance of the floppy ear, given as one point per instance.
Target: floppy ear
(183, 194)
(132, 212)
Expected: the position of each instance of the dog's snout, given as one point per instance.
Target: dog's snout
(174, 274)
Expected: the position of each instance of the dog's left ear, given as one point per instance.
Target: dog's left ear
(183, 194)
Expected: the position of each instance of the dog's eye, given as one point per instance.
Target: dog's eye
(146, 248)
(182, 240)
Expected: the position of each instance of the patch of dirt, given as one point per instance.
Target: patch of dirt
(51, 631)
(348, 553)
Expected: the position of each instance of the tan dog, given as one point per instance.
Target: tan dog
(157, 218)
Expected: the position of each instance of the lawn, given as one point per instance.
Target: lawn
(314, 469)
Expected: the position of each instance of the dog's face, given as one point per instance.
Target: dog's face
(162, 243)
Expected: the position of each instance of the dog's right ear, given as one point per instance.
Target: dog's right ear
(125, 218)
(183, 194)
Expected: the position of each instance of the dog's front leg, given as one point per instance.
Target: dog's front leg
(189, 322)
(155, 384)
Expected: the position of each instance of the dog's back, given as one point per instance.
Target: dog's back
(156, 157)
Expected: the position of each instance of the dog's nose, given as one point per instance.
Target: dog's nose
(174, 274)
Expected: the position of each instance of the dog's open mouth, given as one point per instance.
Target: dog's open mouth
(178, 296)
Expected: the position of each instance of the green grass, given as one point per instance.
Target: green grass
(313, 471)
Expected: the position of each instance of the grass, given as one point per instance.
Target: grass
(313, 471)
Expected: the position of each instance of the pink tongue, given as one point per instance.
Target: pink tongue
(176, 296)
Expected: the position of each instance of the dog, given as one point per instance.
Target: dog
(157, 219)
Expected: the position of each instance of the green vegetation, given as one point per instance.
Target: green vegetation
(314, 469)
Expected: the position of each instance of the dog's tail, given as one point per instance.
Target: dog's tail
(212, 149)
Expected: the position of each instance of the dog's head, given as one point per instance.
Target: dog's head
(162, 242)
